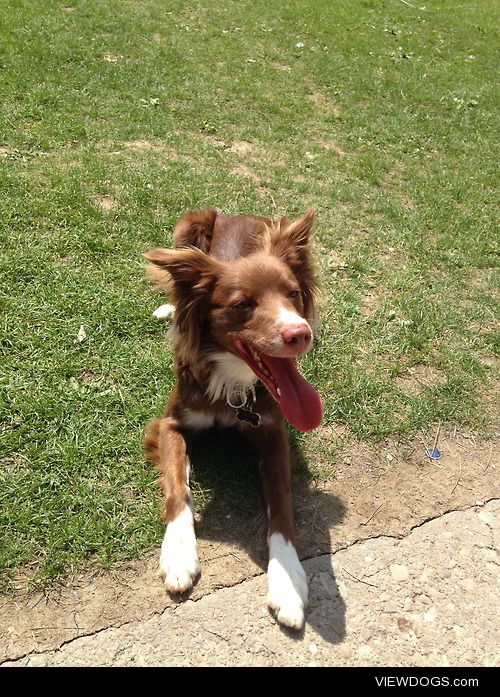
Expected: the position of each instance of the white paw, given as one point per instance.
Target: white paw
(287, 583)
(179, 563)
(164, 311)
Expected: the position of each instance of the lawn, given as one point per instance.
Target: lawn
(118, 115)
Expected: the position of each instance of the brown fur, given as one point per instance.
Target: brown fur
(229, 278)
(188, 274)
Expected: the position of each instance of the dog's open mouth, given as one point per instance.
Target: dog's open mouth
(299, 402)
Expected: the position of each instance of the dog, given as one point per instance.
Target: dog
(243, 290)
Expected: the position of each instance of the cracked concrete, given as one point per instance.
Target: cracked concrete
(429, 597)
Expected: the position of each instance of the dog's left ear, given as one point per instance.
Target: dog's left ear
(291, 242)
(299, 231)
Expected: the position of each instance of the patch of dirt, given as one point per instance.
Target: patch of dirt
(112, 57)
(371, 491)
(5, 151)
(321, 101)
(241, 147)
(14, 463)
(143, 145)
(420, 376)
(219, 144)
(317, 98)
(483, 325)
(484, 279)
(390, 254)
(105, 203)
(280, 66)
(394, 171)
(335, 260)
(408, 203)
(369, 304)
(161, 150)
(244, 171)
(331, 145)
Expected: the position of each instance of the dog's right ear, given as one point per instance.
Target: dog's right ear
(186, 266)
(188, 275)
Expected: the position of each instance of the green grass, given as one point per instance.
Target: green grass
(380, 116)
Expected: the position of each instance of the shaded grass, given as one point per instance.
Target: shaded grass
(381, 117)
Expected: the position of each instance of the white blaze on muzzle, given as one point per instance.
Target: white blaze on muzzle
(288, 318)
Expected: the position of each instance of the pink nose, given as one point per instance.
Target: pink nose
(297, 336)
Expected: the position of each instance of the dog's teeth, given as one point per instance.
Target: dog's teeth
(258, 361)
(278, 392)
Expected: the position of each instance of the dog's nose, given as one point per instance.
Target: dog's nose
(297, 336)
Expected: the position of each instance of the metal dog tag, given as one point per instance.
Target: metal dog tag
(250, 417)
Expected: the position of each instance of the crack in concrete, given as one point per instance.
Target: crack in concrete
(451, 510)
(75, 638)
(173, 608)
(383, 536)
(176, 606)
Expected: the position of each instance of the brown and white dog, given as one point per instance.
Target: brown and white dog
(243, 289)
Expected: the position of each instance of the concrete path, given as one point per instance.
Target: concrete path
(431, 598)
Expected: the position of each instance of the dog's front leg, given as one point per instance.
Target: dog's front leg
(179, 564)
(287, 581)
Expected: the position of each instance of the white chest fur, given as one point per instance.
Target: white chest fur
(230, 379)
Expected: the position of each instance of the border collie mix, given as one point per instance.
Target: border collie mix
(243, 288)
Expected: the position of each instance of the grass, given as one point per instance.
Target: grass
(117, 116)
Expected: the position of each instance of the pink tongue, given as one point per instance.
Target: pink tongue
(300, 403)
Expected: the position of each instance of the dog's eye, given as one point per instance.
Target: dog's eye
(294, 294)
(243, 305)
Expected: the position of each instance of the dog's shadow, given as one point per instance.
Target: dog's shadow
(226, 487)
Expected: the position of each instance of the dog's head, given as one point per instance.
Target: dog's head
(259, 307)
